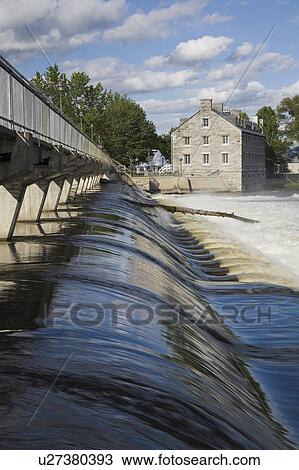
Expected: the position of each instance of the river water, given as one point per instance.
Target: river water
(120, 329)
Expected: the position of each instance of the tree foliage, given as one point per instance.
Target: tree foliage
(244, 116)
(126, 131)
(164, 144)
(277, 144)
(114, 121)
(288, 113)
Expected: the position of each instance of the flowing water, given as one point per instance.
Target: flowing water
(121, 329)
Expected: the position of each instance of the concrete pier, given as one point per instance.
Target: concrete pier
(11, 200)
(33, 202)
(80, 186)
(53, 196)
(65, 193)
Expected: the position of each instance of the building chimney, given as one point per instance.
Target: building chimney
(206, 104)
(236, 112)
(218, 107)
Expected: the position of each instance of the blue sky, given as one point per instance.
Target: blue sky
(164, 54)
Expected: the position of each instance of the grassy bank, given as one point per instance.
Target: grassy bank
(290, 185)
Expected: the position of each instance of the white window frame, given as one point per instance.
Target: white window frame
(203, 159)
(189, 139)
(208, 138)
(203, 121)
(225, 162)
(185, 163)
(225, 139)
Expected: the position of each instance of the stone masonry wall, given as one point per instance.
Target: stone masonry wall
(228, 174)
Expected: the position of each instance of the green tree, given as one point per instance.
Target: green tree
(244, 116)
(127, 134)
(80, 101)
(288, 113)
(53, 84)
(164, 144)
(113, 120)
(277, 145)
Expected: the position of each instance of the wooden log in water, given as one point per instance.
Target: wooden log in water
(187, 210)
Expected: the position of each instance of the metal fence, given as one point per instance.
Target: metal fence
(24, 109)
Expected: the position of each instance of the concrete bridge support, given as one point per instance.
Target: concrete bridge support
(11, 200)
(33, 202)
(91, 182)
(80, 187)
(53, 196)
(74, 188)
(65, 193)
(85, 184)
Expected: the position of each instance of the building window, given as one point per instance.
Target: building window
(205, 122)
(206, 140)
(187, 140)
(206, 159)
(187, 159)
(225, 158)
(225, 139)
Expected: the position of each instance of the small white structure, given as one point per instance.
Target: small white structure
(156, 161)
(293, 161)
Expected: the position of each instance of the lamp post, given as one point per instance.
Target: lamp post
(60, 88)
(180, 166)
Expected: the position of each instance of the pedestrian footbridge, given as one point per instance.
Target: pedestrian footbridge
(44, 158)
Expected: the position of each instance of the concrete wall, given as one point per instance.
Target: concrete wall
(180, 184)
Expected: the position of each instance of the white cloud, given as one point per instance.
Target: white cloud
(201, 49)
(267, 61)
(295, 19)
(153, 81)
(130, 78)
(78, 15)
(154, 24)
(216, 18)
(290, 90)
(16, 13)
(55, 23)
(243, 51)
(249, 98)
(156, 61)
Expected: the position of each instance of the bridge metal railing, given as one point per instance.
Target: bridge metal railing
(24, 109)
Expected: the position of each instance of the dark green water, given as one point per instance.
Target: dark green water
(117, 333)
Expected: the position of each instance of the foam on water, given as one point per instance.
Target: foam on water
(271, 248)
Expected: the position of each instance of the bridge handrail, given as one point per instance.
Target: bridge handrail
(24, 108)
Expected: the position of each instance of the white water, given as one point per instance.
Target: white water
(274, 240)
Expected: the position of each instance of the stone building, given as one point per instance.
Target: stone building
(218, 150)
